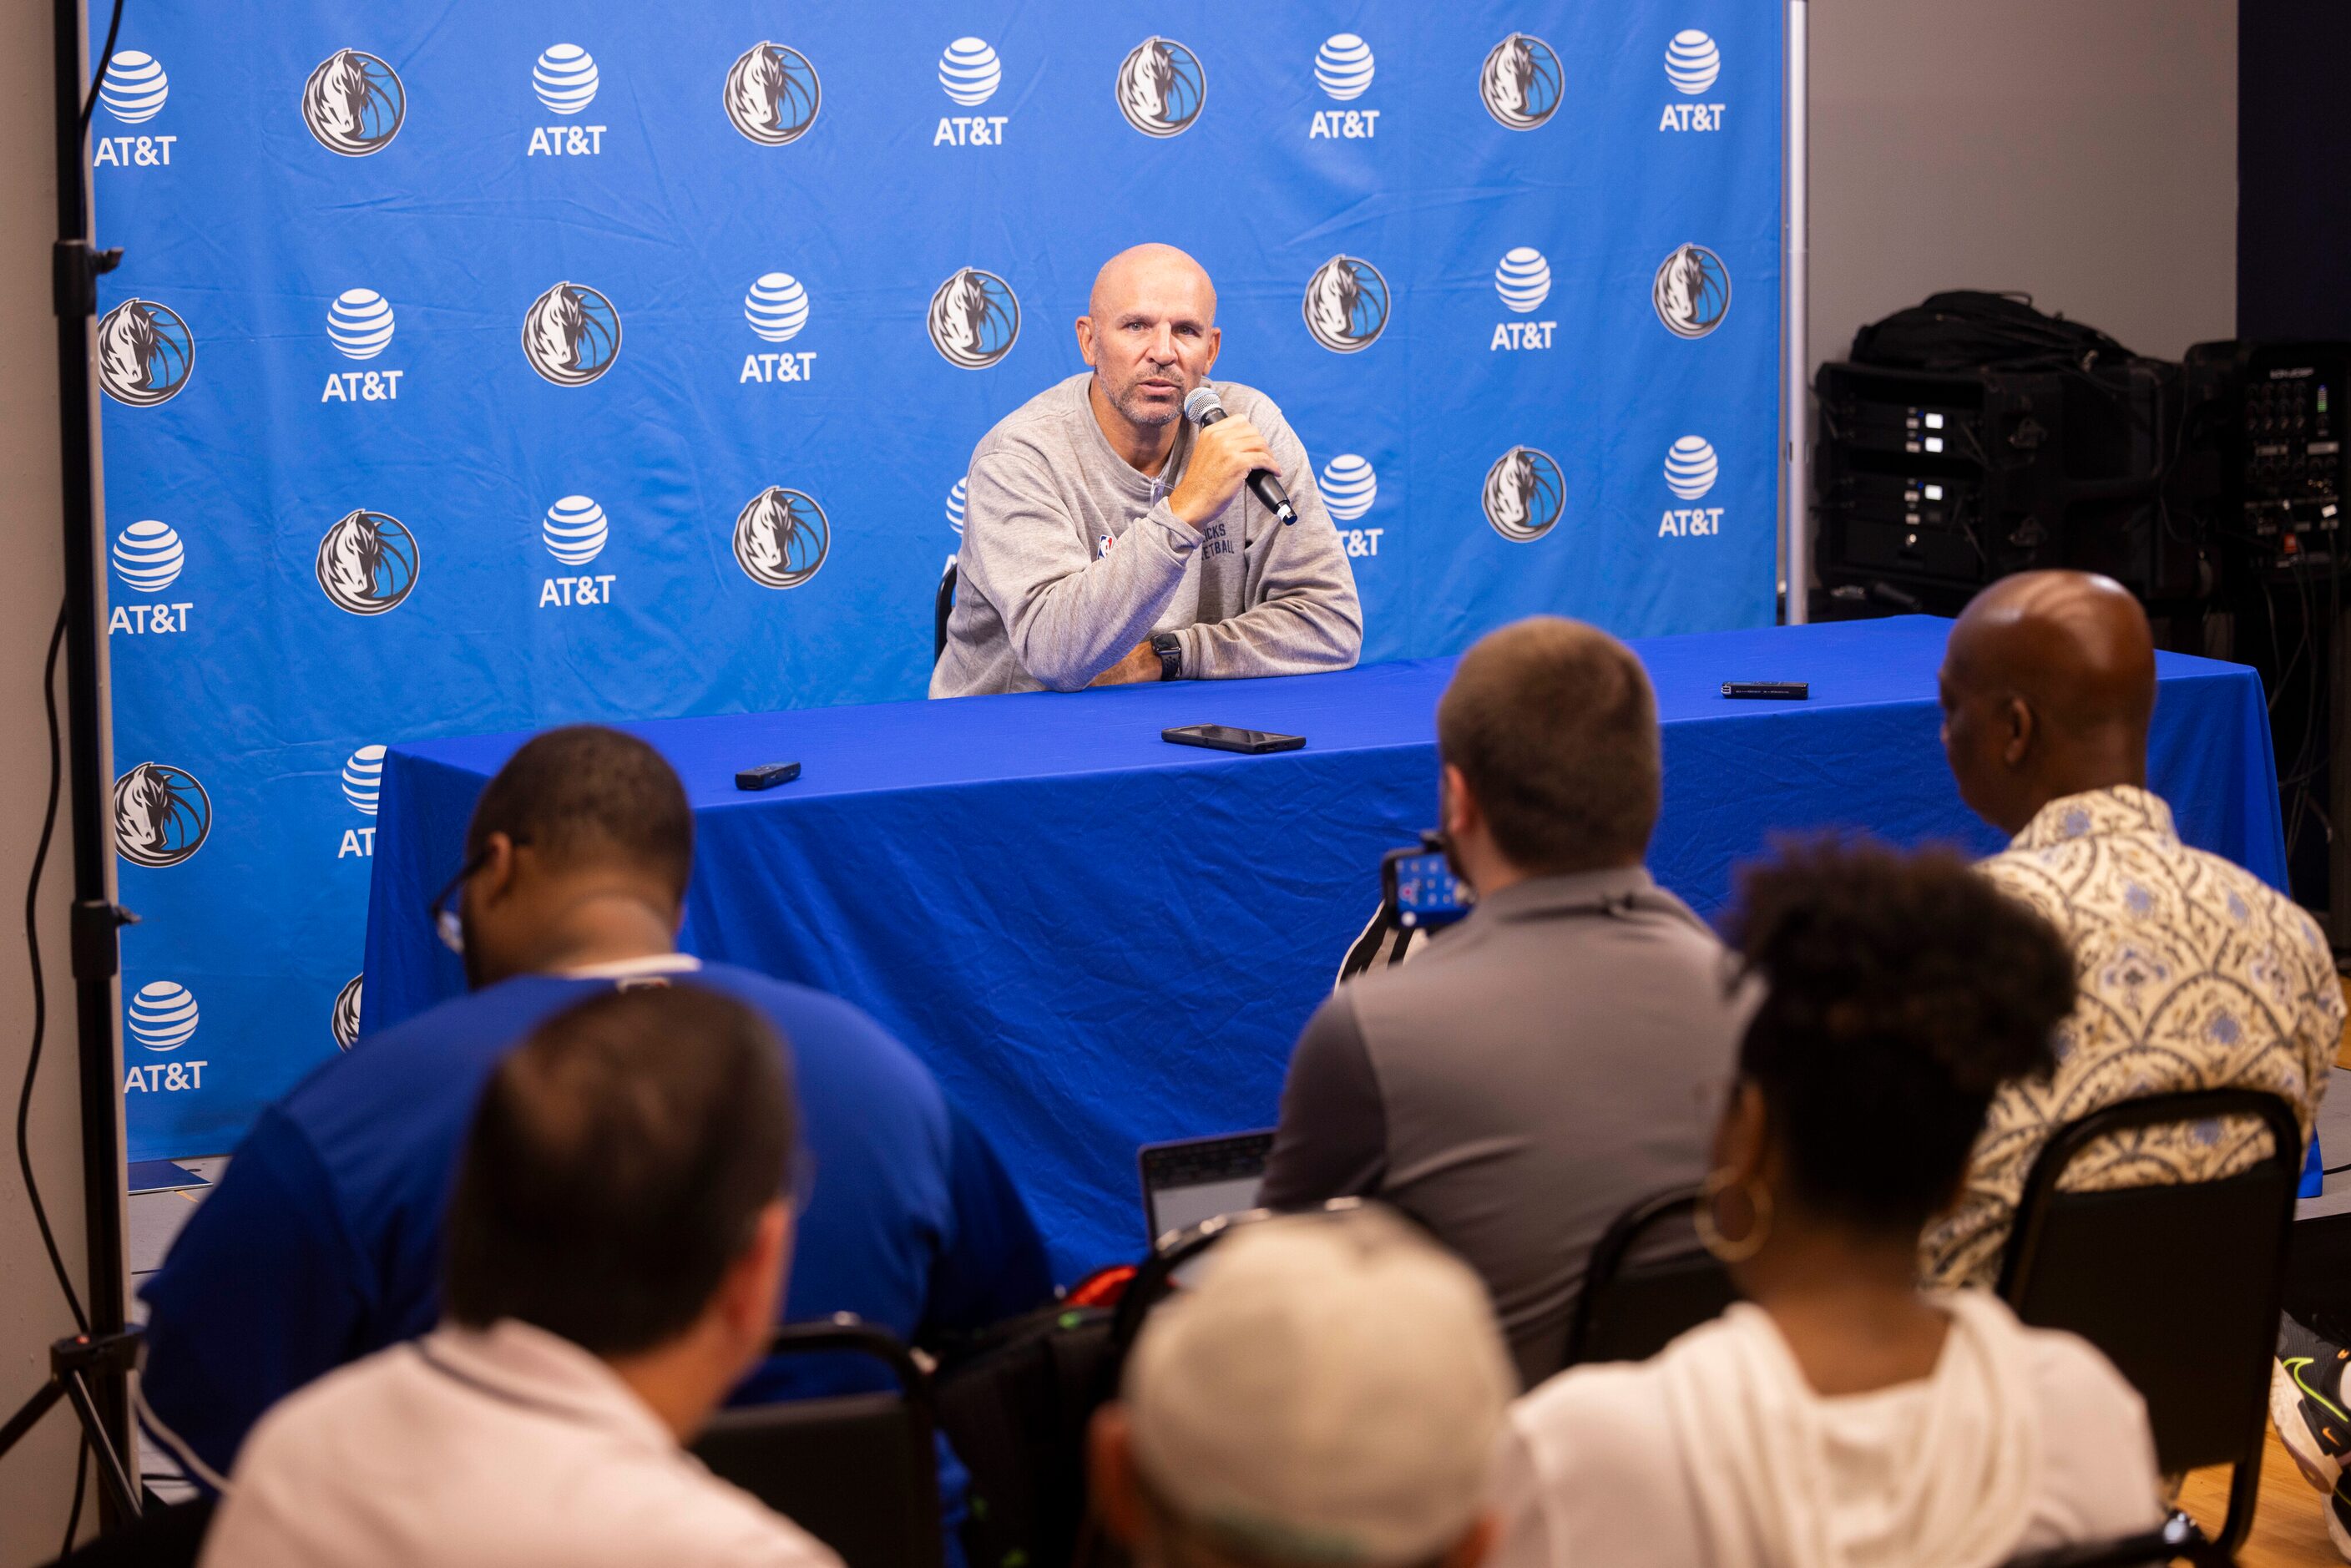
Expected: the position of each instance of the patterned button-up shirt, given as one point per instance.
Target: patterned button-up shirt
(2194, 974)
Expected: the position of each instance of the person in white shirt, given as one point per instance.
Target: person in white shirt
(1840, 1417)
(617, 1243)
(1327, 1396)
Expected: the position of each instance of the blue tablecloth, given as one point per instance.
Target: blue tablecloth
(1097, 939)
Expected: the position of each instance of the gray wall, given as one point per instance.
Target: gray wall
(2082, 150)
(37, 1479)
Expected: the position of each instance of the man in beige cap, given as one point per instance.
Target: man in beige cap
(1330, 1393)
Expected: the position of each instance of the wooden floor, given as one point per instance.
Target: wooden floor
(2289, 1527)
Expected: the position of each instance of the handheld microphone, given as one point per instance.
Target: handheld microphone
(1204, 407)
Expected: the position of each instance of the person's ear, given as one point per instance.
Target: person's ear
(1475, 1547)
(2019, 730)
(1215, 342)
(1086, 339)
(1463, 814)
(1741, 1137)
(753, 1285)
(1109, 1467)
(496, 876)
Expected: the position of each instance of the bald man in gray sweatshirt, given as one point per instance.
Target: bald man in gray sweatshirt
(1106, 539)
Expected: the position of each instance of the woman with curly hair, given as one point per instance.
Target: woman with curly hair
(1840, 1416)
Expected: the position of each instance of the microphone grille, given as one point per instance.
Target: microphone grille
(1201, 403)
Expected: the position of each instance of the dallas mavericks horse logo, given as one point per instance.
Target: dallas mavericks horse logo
(975, 318)
(345, 1019)
(1346, 305)
(1161, 87)
(161, 814)
(572, 334)
(1521, 81)
(1692, 291)
(1524, 494)
(781, 538)
(367, 563)
(145, 353)
(772, 94)
(353, 103)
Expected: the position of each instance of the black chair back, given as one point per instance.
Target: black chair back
(164, 1535)
(2178, 1285)
(858, 1472)
(1629, 1311)
(943, 606)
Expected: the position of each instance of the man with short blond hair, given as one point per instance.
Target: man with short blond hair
(1106, 539)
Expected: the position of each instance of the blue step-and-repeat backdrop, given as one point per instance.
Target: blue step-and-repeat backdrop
(478, 366)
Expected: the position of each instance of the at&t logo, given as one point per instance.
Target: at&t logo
(1690, 471)
(1522, 281)
(134, 92)
(970, 74)
(353, 103)
(776, 307)
(781, 538)
(1161, 87)
(363, 789)
(975, 318)
(572, 334)
(574, 532)
(1692, 291)
(1520, 82)
(343, 1022)
(367, 563)
(773, 94)
(162, 815)
(1524, 495)
(1346, 304)
(148, 558)
(163, 1017)
(1692, 62)
(1344, 69)
(565, 81)
(145, 353)
(360, 325)
(955, 509)
(1349, 489)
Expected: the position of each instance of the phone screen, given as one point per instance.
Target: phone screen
(1426, 891)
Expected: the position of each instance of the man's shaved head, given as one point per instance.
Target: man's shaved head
(1150, 333)
(1136, 267)
(2047, 688)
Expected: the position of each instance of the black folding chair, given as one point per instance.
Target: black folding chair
(1629, 1311)
(858, 1472)
(943, 606)
(2178, 1540)
(2178, 1284)
(164, 1535)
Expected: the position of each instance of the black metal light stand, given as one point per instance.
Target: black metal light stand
(90, 1370)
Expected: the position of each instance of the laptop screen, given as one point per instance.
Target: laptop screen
(1196, 1179)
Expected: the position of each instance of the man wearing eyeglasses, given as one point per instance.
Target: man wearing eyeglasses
(323, 1241)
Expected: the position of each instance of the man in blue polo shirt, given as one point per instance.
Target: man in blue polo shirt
(323, 1241)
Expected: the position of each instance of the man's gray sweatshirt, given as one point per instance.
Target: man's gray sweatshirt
(1071, 558)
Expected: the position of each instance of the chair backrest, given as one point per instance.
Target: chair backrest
(1629, 1309)
(164, 1535)
(858, 1472)
(943, 606)
(2178, 1284)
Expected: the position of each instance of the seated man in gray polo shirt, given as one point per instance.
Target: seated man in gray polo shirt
(1558, 1055)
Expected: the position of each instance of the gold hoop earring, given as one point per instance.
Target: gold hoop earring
(1710, 1235)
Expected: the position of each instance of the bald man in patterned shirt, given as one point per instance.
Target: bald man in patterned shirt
(2194, 973)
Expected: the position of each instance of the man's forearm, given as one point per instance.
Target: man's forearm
(1296, 636)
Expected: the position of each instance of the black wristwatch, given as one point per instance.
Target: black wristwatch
(1170, 655)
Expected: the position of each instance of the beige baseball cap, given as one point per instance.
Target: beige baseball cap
(1329, 1392)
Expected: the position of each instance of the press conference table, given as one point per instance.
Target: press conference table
(1097, 939)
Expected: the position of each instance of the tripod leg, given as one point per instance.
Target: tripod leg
(26, 1417)
(109, 1463)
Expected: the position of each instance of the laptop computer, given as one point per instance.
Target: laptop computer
(1193, 1179)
